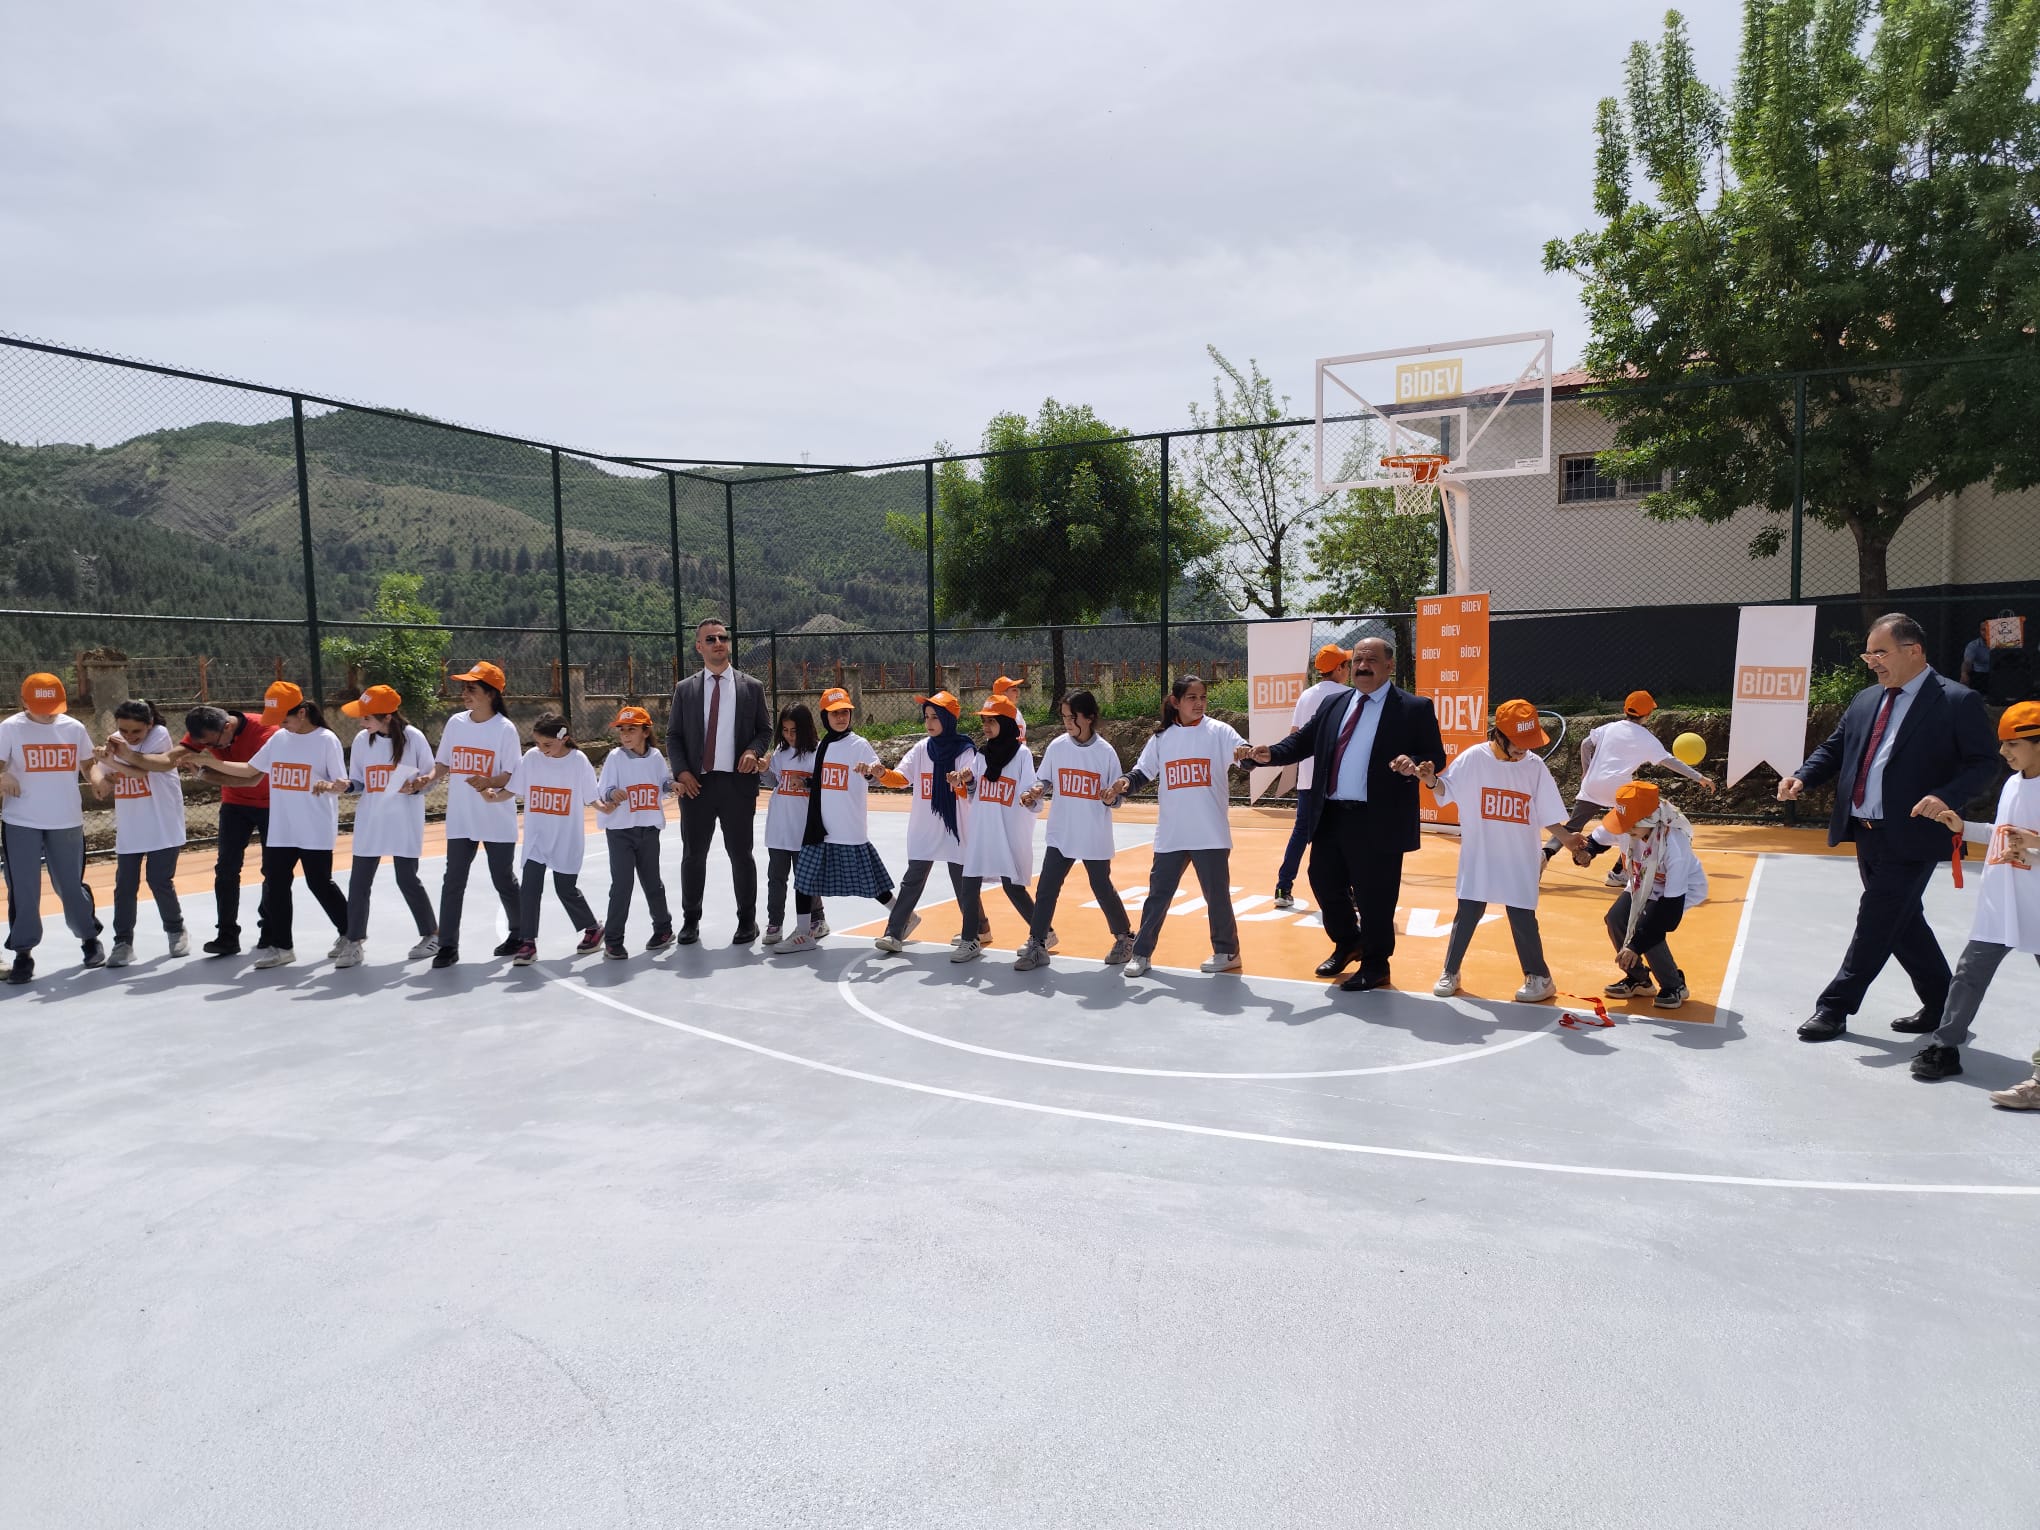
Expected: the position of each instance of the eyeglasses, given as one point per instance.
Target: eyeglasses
(715, 637)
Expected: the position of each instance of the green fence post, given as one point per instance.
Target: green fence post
(304, 505)
(1798, 481)
(928, 533)
(560, 571)
(729, 513)
(673, 535)
(1165, 566)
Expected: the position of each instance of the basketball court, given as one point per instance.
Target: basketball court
(721, 1238)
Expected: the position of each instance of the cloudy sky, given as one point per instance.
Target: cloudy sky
(772, 229)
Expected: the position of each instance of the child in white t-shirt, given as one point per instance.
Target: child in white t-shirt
(1187, 759)
(998, 776)
(1077, 768)
(938, 815)
(478, 748)
(1663, 879)
(1610, 755)
(836, 859)
(43, 753)
(789, 777)
(307, 771)
(134, 769)
(631, 793)
(388, 764)
(2007, 904)
(558, 785)
(1506, 800)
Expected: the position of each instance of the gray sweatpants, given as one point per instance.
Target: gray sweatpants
(1522, 927)
(634, 856)
(1214, 880)
(1979, 964)
(28, 850)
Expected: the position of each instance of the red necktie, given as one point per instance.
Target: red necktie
(1870, 749)
(1345, 738)
(715, 713)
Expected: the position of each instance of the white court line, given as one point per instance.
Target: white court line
(845, 988)
(1753, 1182)
(1726, 1000)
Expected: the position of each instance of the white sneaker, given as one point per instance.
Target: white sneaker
(1137, 966)
(261, 954)
(426, 949)
(1048, 941)
(272, 956)
(1031, 955)
(798, 943)
(1222, 961)
(180, 943)
(339, 948)
(772, 936)
(1446, 986)
(1535, 990)
(890, 944)
(967, 951)
(820, 926)
(123, 952)
(351, 955)
(1122, 948)
(1616, 879)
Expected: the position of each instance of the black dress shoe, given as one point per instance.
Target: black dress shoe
(510, 947)
(222, 945)
(1338, 961)
(747, 935)
(95, 954)
(444, 957)
(1916, 1024)
(1936, 1060)
(1823, 1027)
(23, 968)
(690, 933)
(1365, 979)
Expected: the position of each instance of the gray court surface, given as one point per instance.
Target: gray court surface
(718, 1239)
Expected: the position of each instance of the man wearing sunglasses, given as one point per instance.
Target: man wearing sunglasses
(717, 734)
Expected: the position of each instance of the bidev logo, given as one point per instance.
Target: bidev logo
(642, 797)
(1276, 691)
(794, 783)
(290, 776)
(466, 760)
(1499, 806)
(59, 759)
(1770, 682)
(1079, 783)
(997, 793)
(835, 776)
(558, 801)
(1181, 773)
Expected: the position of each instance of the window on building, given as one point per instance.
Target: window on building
(1581, 481)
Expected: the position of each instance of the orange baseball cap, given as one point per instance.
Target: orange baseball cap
(1006, 683)
(44, 693)
(1518, 723)
(487, 673)
(636, 717)
(835, 699)
(2021, 720)
(1634, 802)
(999, 705)
(376, 701)
(1331, 656)
(1639, 703)
(944, 700)
(279, 699)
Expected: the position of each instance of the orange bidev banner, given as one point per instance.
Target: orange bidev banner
(1452, 669)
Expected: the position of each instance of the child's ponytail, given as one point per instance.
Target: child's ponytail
(1176, 693)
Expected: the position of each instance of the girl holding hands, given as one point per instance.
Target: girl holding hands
(1077, 769)
(135, 769)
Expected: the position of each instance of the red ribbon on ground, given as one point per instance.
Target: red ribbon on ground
(1600, 1010)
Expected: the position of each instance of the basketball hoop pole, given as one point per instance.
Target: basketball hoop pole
(1456, 503)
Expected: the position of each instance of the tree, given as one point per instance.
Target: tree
(1852, 207)
(1369, 558)
(1254, 483)
(1054, 538)
(406, 654)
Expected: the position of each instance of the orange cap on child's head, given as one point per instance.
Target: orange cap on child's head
(376, 701)
(1517, 722)
(279, 700)
(835, 699)
(1000, 705)
(2021, 720)
(44, 693)
(487, 674)
(1634, 802)
(1639, 703)
(632, 717)
(1330, 657)
(941, 699)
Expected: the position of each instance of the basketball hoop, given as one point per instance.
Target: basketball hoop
(1415, 476)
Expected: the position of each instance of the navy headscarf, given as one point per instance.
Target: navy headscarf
(944, 750)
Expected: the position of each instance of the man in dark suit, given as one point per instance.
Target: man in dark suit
(717, 736)
(1907, 748)
(1364, 744)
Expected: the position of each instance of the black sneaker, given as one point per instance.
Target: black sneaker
(747, 936)
(660, 940)
(690, 933)
(223, 945)
(1936, 1060)
(612, 950)
(23, 968)
(95, 954)
(509, 947)
(446, 957)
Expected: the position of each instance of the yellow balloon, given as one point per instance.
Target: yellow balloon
(1690, 748)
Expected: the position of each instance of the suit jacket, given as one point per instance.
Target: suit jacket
(1409, 725)
(1945, 748)
(685, 723)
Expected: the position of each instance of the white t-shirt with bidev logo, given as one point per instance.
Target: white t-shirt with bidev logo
(556, 793)
(643, 779)
(44, 758)
(786, 815)
(468, 748)
(299, 818)
(1079, 824)
(1504, 808)
(1621, 748)
(928, 837)
(2008, 897)
(388, 822)
(1188, 763)
(148, 806)
(845, 792)
(1001, 840)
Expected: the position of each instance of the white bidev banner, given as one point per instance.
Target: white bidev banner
(1773, 662)
(1278, 657)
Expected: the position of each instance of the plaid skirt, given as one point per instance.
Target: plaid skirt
(841, 871)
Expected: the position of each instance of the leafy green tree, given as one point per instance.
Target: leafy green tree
(1256, 485)
(1368, 558)
(1854, 204)
(1054, 538)
(406, 654)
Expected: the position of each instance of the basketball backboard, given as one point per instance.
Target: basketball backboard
(1483, 404)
